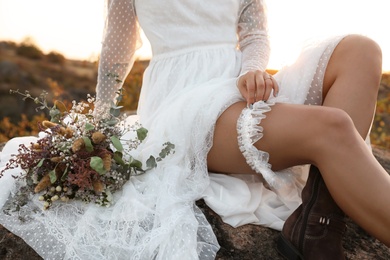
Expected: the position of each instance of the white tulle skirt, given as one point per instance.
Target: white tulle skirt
(154, 216)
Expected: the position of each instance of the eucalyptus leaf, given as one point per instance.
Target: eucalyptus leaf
(97, 164)
(53, 112)
(136, 164)
(40, 163)
(163, 153)
(88, 144)
(169, 145)
(142, 133)
(65, 174)
(115, 111)
(89, 127)
(151, 162)
(112, 122)
(116, 143)
(118, 158)
(166, 150)
(53, 176)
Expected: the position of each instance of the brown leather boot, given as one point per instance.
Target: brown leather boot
(316, 227)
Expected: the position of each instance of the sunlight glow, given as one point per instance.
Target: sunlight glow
(74, 27)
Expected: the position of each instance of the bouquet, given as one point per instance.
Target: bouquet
(80, 155)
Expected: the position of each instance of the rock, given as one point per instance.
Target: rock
(248, 242)
(251, 242)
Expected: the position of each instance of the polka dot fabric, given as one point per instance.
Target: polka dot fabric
(253, 35)
(120, 41)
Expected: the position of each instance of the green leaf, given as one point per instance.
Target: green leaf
(53, 176)
(163, 153)
(118, 158)
(116, 143)
(142, 133)
(115, 111)
(65, 174)
(97, 164)
(112, 122)
(89, 127)
(40, 163)
(136, 164)
(169, 145)
(151, 162)
(167, 149)
(54, 112)
(88, 144)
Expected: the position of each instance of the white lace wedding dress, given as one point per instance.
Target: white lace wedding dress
(191, 79)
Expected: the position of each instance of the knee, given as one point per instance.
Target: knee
(336, 128)
(364, 47)
(338, 120)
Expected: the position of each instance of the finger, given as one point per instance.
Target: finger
(275, 87)
(242, 87)
(269, 84)
(251, 88)
(260, 86)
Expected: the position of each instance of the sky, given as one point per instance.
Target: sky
(74, 27)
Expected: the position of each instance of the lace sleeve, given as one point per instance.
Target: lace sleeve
(253, 35)
(120, 40)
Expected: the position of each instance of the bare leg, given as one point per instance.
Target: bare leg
(325, 137)
(352, 80)
(322, 136)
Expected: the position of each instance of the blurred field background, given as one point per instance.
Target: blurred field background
(24, 66)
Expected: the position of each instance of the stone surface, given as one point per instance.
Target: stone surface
(244, 243)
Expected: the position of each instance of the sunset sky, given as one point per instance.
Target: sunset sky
(74, 27)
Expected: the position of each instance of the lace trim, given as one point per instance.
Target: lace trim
(249, 132)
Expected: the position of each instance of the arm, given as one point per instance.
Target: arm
(254, 83)
(120, 40)
(253, 36)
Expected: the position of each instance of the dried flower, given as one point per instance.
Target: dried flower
(47, 124)
(78, 145)
(43, 184)
(98, 137)
(81, 156)
(106, 161)
(98, 186)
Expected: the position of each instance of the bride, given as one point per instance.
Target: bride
(240, 136)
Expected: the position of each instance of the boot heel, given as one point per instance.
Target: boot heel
(287, 250)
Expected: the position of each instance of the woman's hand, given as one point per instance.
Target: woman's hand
(257, 85)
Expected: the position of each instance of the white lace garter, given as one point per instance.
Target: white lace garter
(249, 132)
